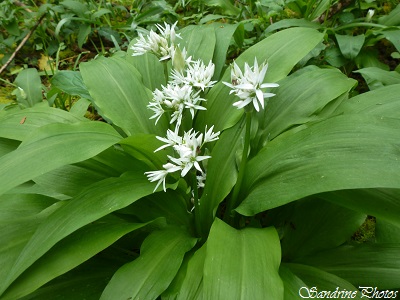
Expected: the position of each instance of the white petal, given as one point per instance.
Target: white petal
(269, 85)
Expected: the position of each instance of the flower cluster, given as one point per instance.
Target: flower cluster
(183, 92)
(175, 98)
(197, 74)
(162, 45)
(188, 148)
(248, 86)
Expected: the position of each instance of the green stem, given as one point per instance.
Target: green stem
(166, 72)
(360, 24)
(196, 203)
(234, 201)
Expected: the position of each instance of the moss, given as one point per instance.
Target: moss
(366, 232)
(5, 94)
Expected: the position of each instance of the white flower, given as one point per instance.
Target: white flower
(169, 31)
(161, 175)
(175, 98)
(172, 139)
(370, 14)
(160, 45)
(210, 136)
(248, 86)
(200, 180)
(197, 74)
(188, 150)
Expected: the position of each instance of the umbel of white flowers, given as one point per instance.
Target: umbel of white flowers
(188, 148)
(162, 45)
(182, 93)
(188, 78)
(248, 86)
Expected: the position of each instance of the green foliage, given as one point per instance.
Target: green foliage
(286, 188)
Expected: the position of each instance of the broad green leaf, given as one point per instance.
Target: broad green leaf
(335, 154)
(120, 95)
(369, 57)
(306, 282)
(393, 36)
(142, 147)
(151, 273)
(19, 218)
(318, 10)
(14, 207)
(392, 19)
(77, 7)
(57, 145)
(296, 101)
(292, 284)
(374, 265)
(381, 203)
(282, 50)
(377, 78)
(101, 12)
(80, 107)
(149, 67)
(29, 91)
(83, 32)
(386, 232)
(350, 45)
(226, 6)
(20, 124)
(106, 196)
(221, 173)
(286, 23)
(248, 270)
(192, 285)
(6, 146)
(194, 37)
(72, 179)
(70, 82)
(311, 225)
(64, 256)
(84, 282)
(223, 34)
(171, 205)
(383, 102)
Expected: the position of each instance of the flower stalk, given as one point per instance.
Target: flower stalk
(233, 202)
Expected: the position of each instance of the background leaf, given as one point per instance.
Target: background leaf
(58, 145)
(361, 264)
(119, 95)
(20, 124)
(29, 81)
(349, 45)
(149, 275)
(70, 82)
(311, 225)
(282, 51)
(377, 78)
(334, 155)
(298, 277)
(64, 256)
(107, 196)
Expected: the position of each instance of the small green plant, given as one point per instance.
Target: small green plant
(256, 176)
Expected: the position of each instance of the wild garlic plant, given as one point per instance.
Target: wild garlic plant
(183, 94)
(181, 97)
(250, 88)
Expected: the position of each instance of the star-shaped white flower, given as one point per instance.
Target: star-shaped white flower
(162, 45)
(248, 86)
(188, 150)
(197, 74)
